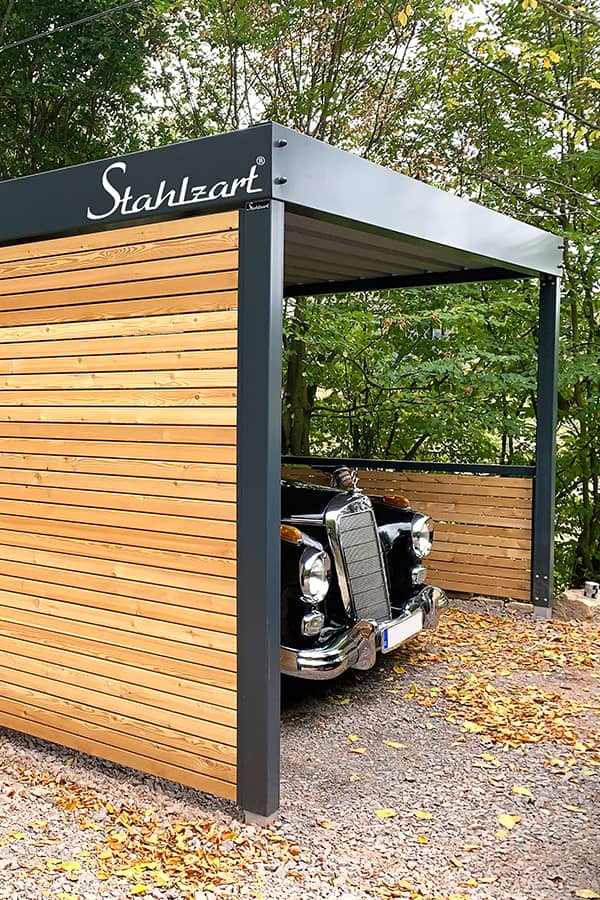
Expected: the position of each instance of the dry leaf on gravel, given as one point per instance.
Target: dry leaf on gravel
(507, 821)
(522, 791)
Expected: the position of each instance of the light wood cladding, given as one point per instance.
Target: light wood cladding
(118, 391)
(483, 525)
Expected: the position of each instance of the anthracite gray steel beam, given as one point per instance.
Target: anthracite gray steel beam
(200, 176)
(542, 565)
(391, 282)
(409, 465)
(329, 182)
(259, 507)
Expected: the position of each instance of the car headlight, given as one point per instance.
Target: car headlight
(422, 536)
(315, 574)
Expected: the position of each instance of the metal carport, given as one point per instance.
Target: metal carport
(310, 219)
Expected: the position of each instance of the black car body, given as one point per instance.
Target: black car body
(353, 582)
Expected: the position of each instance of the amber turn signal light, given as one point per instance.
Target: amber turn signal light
(289, 533)
(402, 502)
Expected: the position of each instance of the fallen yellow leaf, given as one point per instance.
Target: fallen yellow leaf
(385, 813)
(421, 814)
(577, 809)
(502, 834)
(105, 854)
(508, 821)
(587, 894)
(139, 889)
(358, 749)
(325, 824)
(354, 777)
(523, 791)
(421, 839)
(456, 862)
(395, 745)
(353, 738)
(70, 865)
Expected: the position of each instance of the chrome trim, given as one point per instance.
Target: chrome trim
(418, 523)
(312, 623)
(338, 507)
(354, 648)
(357, 647)
(418, 574)
(307, 556)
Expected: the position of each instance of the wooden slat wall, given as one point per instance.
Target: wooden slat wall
(483, 526)
(118, 373)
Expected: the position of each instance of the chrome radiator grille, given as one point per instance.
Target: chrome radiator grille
(361, 553)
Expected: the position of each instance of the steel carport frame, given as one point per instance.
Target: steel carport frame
(313, 219)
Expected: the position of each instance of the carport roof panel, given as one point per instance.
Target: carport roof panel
(448, 232)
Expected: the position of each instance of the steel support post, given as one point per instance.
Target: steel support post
(258, 500)
(542, 564)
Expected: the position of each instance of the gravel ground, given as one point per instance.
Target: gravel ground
(399, 782)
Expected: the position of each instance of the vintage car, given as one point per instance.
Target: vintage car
(353, 582)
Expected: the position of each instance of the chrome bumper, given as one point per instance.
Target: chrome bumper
(357, 648)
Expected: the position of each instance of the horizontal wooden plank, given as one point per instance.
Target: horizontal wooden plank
(47, 366)
(59, 735)
(496, 487)
(122, 236)
(488, 552)
(144, 436)
(23, 566)
(139, 503)
(419, 499)
(125, 415)
(204, 478)
(108, 474)
(485, 535)
(205, 656)
(484, 484)
(481, 586)
(118, 672)
(171, 250)
(483, 515)
(150, 664)
(218, 647)
(129, 606)
(170, 397)
(118, 570)
(144, 324)
(134, 306)
(42, 355)
(516, 571)
(157, 553)
(482, 481)
(137, 739)
(83, 383)
(48, 673)
(13, 288)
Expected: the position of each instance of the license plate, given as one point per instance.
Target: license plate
(401, 631)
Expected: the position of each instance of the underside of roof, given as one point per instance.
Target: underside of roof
(331, 256)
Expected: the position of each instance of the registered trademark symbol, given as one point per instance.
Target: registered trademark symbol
(260, 160)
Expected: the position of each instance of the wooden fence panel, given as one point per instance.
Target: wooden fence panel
(483, 525)
(118, 388)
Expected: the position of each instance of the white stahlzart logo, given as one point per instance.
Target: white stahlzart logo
(181, 195)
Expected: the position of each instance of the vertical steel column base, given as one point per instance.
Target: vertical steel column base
(251, 818)
(542, 613)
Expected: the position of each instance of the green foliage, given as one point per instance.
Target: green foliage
(76, 95)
